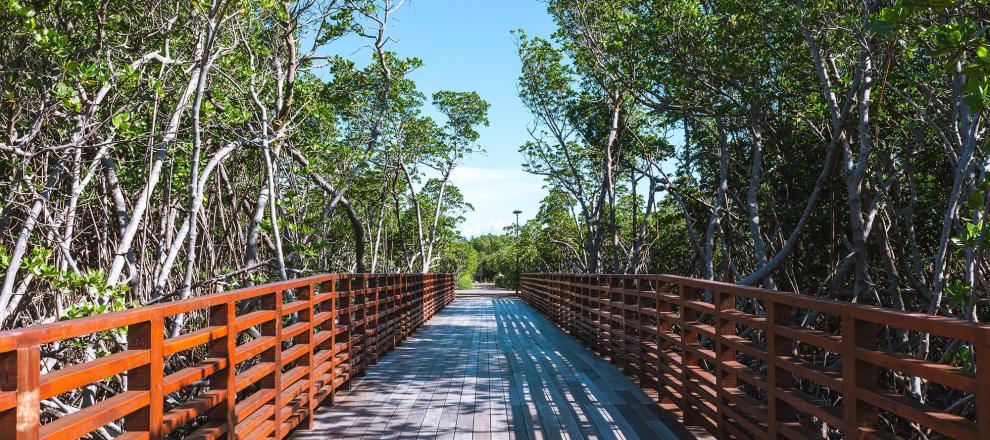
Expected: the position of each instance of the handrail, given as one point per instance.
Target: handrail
(256, 364)
(706, 353)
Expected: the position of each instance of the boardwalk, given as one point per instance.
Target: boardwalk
(489, 367)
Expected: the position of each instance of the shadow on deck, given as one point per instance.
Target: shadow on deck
(490, 367)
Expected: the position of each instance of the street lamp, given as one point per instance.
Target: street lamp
(517, 212)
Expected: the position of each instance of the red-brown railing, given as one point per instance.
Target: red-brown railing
(256, 365)
(692, 342)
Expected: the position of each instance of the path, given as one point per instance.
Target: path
(490, 367)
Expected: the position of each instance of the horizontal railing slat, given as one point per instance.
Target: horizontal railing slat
(704, 349)
(322, 330)
(75, 376)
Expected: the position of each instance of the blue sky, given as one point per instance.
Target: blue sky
(467, 45)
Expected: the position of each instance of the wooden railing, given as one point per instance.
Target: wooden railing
(256, 364)
(706, 353)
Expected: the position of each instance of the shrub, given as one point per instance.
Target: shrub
(464, 281)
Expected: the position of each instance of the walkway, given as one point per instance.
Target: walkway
(491, 368)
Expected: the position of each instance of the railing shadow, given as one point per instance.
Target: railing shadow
(491, 366)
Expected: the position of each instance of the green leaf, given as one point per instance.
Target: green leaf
(958, 293)
(882, 27)
(954, 37)
(939, 4)
(973, 100)
(975, 200)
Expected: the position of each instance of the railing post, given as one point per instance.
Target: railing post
(306, 315)
(150, 336)
(644, 286)
(428, 302)
(273, 329)
(857, 414)
(778, 411)
(982, 395)
(21, 370)
(601, 346)
(224, 348)
(400, 291)
(372, 318)
(664, 310)
(687, 358)
(624, 359)
(346, 319)
(330, 344)
(723, 353)
(404, 308)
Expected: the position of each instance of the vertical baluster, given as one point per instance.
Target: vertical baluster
(400, 290)
(430, 298)
(630, 320)
(328, 306)
(371, 315)
(150, 336)
(381, 290)
(574, 308)
(424, 286)
(983, 383)
(856, 375)
(724, 379)
(381, 312)
(409, 299)
(273, 301)
(615, 340)
(414, 301)
(643, 338)
(347, 320)
(591, 312)
(602, 346)
(224, 315)
(400, 293)
(306, 315)
(567, 303)
(20, 372)
(664, 310)
(688, 359)
(422, 296)
(778, 411)
(387, 309)
(403, 307)
(359, 288)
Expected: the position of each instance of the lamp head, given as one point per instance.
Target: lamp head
(517, 212)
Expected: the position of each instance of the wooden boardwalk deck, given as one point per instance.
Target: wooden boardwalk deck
(492, 368)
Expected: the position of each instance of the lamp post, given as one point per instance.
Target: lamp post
(518, 277)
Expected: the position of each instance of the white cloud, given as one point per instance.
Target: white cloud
(495, 193)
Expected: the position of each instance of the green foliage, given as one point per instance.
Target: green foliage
(461, 259)
(4, 259)
(958, 294)
(464, 111)
(91, 284)
(464, 281)
(962, 357)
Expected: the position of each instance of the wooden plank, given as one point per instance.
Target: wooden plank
(78, 375)
(488, 368)
(21, 375)
(148, 337)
